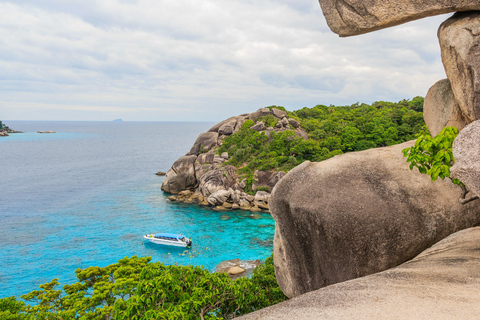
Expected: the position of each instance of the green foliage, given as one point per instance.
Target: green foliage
(269, 121)
(135, 288)
(331, 130)
(433, 156)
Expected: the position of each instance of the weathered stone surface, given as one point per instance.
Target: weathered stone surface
(224, 155)
(262, 196)
(279, 113)
(255, 209)
(301, 133)
(211, 182)
(460, 47)
(266, 179)
(205, 158)
(230, 121)
(185, 193)
(466, 151)
(259, 113)
(294, 123)
(204, 142)
(201, 169)
(234, 267)
(354, 17)
(218, 159)
(259, 126)
(441, 110)
(223, 178)
(219, 197)
(228, 126)
(235, 271)
(357, 214)
(181, 176)
(440, 283)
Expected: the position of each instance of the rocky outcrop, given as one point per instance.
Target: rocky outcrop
(209, 181)
(353, 17)
(357, 214)
(266, 179)
(181, 176)
(3, 134)
(441, 110)
(204, 143)
(237, 268)
(440, 283)
(459, 39)
(466, 151)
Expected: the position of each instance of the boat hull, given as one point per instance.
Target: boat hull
(174, 243)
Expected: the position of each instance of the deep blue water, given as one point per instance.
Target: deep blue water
(85, 195)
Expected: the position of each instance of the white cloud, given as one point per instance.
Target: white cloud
(198, 60)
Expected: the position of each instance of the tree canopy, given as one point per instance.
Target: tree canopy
(136, 288)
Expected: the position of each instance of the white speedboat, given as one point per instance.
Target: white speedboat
(169, 239)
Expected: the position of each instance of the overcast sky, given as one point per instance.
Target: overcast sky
(190, 60)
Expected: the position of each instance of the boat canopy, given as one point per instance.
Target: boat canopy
(169, 235)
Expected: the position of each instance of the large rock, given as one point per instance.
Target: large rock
(353, 17)
(441, 110)
(356, 214)
(441, 283)
(205, 141)
(181, 176)
(211, 182)
(219, 197)
(466, 151)
(459, 39)
(279, 113)
(266, 179)
(259, 126)
(222, 178)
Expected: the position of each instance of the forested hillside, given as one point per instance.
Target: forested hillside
(331, 131)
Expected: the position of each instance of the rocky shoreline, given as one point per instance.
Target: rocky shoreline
(200, 177)
(5, 132)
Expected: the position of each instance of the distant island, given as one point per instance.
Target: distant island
(5, 130)
(117, 120)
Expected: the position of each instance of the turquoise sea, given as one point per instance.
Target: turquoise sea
(86, 195)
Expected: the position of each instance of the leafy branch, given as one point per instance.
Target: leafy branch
(433, 156)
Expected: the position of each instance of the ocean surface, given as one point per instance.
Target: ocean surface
(86, 195)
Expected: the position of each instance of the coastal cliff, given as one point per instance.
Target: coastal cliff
(204, 175)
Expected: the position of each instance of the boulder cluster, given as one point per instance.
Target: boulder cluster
(201, 176)
(237, 268)
(361, 213)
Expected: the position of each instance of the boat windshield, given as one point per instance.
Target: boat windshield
(169, 236)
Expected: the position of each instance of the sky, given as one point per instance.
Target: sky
(190, 60)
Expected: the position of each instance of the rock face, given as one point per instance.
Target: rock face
(440, 283)
(459, 39)
(204, 142)
(466, 151)
(181, 176)
(441, 110)
(353, 17)
(357, 214)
